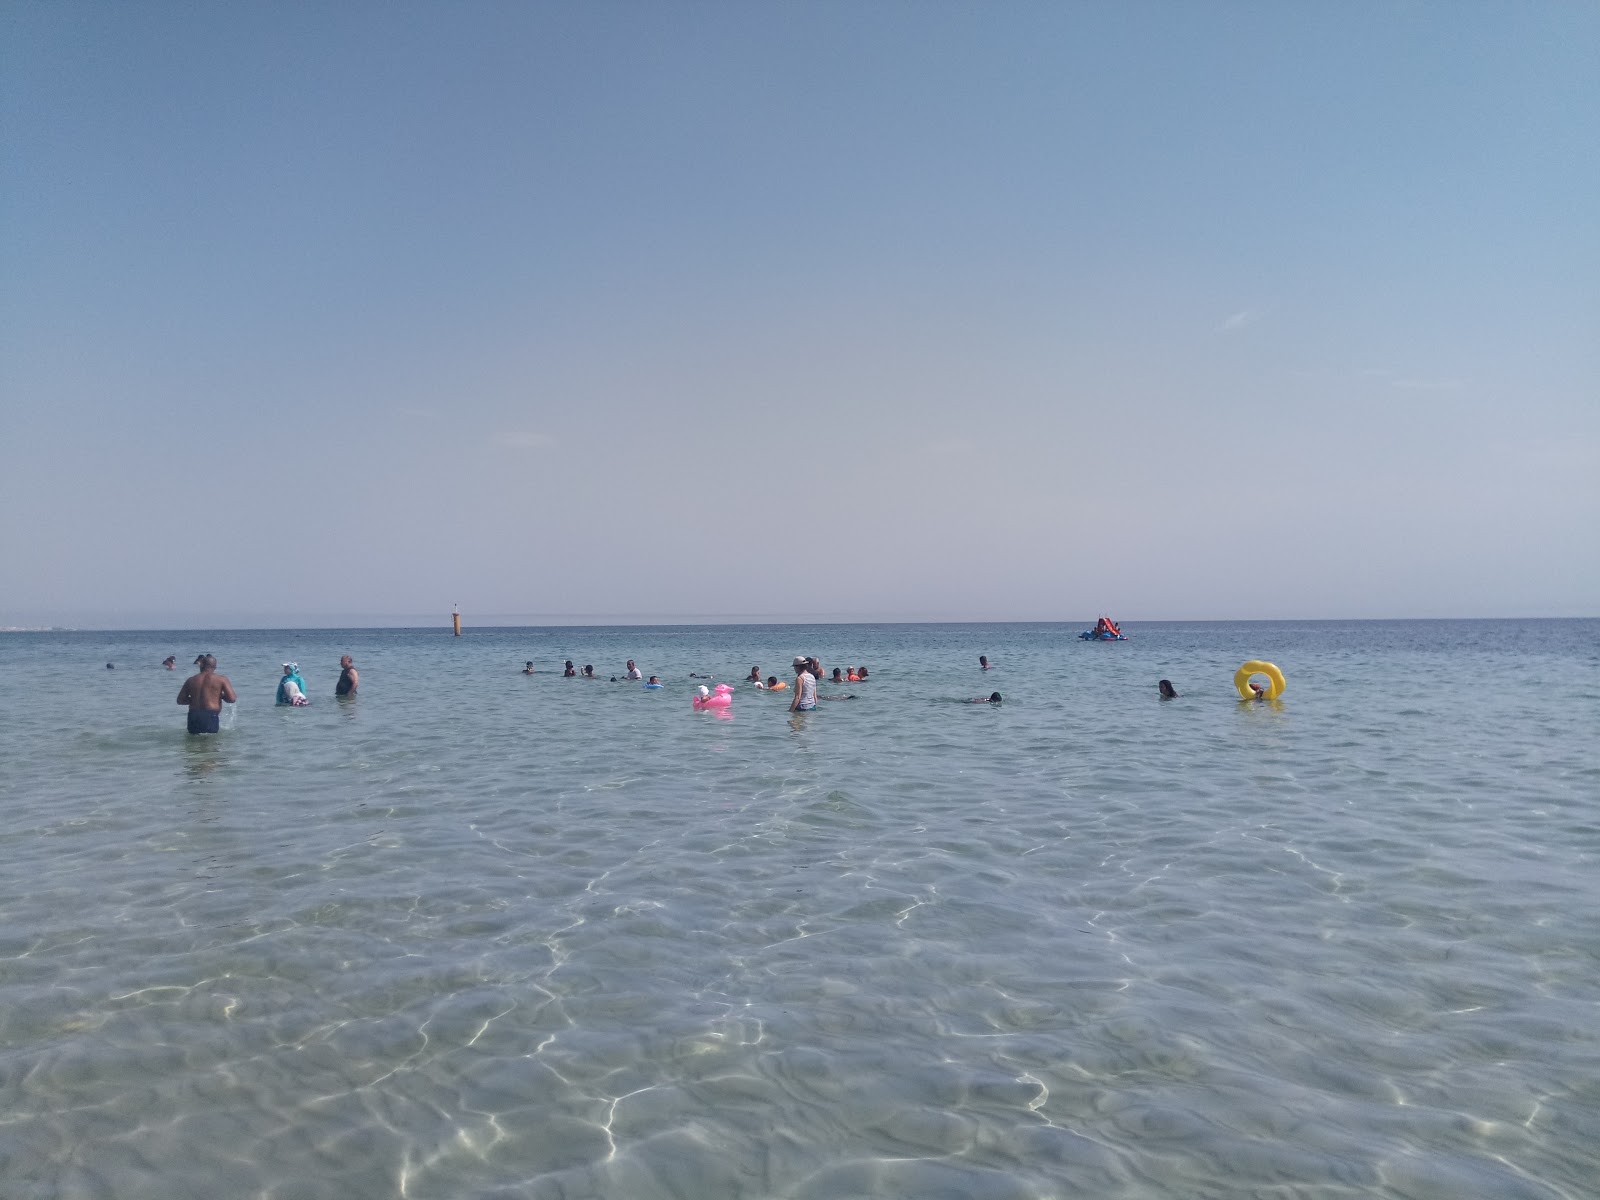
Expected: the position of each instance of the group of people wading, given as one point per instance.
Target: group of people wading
(205, 692)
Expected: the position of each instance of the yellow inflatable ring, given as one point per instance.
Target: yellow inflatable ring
(1241, 679)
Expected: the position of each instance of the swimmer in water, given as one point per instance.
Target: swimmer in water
(588, 670)
(349, 677)
(291, 688)
(633, 671)
(805, 684)
(528, 670)
(774, 684)
(170, 662)
(837, 676)
(983, 662)
(754, 676)
(111, 666)
(571, 671)
(861, 674)
(991, 698)
(205, 694)
(1165, 688)
(653, 682)
(1260, 692)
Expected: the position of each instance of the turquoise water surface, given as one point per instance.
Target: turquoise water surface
(479, 934)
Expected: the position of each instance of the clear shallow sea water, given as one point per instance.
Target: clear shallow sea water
(485, 935)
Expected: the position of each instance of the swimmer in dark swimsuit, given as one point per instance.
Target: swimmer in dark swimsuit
(528, 670)
(205, 695)
(571, 672)
(991, 698)
(349, 678)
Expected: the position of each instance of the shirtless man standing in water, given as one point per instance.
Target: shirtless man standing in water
(204, 694)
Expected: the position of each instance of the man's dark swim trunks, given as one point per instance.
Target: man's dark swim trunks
(201, 721)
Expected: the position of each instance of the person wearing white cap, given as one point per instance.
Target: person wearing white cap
(291, 688)
(805, 686)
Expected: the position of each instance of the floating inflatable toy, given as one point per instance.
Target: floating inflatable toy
(1256, 666)
(648, 686)
(1105, 630)
(722, 697)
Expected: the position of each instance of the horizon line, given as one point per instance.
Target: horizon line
(502, 621)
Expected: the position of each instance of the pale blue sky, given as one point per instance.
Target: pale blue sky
(314, 311)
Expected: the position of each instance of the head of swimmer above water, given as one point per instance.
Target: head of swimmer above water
(994, 697)
(1165, 687)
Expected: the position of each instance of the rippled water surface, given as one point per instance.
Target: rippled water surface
(478, 934)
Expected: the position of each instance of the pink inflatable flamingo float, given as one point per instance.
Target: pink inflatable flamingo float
(720, 697)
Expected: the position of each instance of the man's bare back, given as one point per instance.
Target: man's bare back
(204, 694)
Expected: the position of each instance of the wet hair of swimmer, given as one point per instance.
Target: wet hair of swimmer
(1166, 690)
(994, 697)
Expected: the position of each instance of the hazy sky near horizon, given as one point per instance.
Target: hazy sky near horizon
(988, 311)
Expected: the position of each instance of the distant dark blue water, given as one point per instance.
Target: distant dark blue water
(480, 934)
